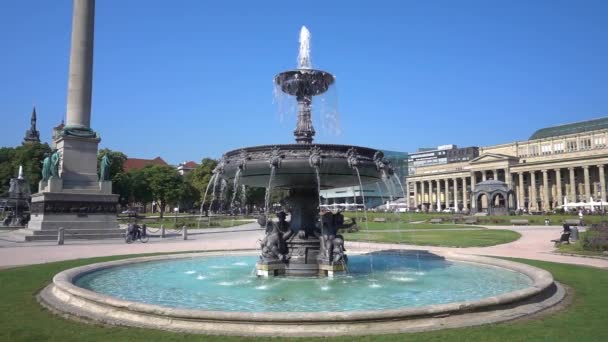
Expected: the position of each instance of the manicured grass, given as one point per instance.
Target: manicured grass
(446, 238)
(406, 225)
(170, 223)
(23, 319)
(555, 219)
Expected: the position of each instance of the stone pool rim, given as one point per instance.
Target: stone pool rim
(63, 296)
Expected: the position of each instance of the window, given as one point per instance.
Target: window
(585, 143)
(545, 149)
(571, 146)
(600, 141)
(558, 147)
(533, 150)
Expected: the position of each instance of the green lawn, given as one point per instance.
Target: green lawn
(555, 219)
(406, 225)
(446, 238)
(23, 319)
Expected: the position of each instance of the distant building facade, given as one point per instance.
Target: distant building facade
(557, 164)
(186, 167)
(137, 163)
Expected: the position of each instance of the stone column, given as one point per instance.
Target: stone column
(438, 195)
(80, 81)
(546, 205)
(455, 182)
(495, 174)
(464, 193)
(587, 183)
(602, 182)
(533, 204)
(415, 186)
(483, 176)
(572, 185)
(473, 181)
(446, 193)
(558, 180)
(422, 193)
(521, 194)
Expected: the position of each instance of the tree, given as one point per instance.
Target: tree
(165, 184)
(200, 176)
(139, 187)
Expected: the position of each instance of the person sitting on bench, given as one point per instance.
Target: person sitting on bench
(565, 237)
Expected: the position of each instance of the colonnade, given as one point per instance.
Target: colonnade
(536, 189)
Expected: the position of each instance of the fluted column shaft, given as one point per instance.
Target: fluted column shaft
(522, 191)
(533, 201)
(546, 205)
(455, 182)
(415, 186)
(572, 185)
(558, 180)
(587, 183)
(602, 182)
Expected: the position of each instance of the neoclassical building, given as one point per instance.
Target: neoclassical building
(557, 164)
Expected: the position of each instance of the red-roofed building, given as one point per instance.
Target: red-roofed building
(137, 163)
(185, 167)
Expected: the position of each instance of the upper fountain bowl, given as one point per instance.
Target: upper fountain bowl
(295, 165)
(304, 82)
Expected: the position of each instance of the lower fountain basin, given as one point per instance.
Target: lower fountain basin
(294, 168)
(222, 296)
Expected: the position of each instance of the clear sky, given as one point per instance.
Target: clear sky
(192, 78)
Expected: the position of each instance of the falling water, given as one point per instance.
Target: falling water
(268, 191)
(211, 180)
(235, 189)
(319, 193)
(371, 257)
(406, 199)
(304, 61)
(389, 188)
(244, 197)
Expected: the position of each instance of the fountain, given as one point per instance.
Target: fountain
(303, 168)
(380, 292)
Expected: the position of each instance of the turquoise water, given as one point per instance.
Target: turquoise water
(229, 284)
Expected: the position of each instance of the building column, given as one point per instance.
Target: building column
(464, 193)
(473, 181)
(546, 205)
(521, 193)
(446, 193)
(602, 182)
(572, 185)
(483, 176)
(438, 201)
(422, 193)
(415, 188)
(495, 174)
(587, 183)
(455, 182)
(533, 202)
(558, 180)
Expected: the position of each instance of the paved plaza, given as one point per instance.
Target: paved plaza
(534, 244)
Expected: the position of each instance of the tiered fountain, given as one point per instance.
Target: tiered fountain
(308, 245)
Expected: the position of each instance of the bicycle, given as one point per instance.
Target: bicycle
(134, 233)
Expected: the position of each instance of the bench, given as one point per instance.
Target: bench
(436, 220)
(470, 220)
(573, 222)
(379, 219)
(520, 222)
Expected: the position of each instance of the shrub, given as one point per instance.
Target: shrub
(596, 238)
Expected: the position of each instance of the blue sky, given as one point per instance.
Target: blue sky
(189, 79)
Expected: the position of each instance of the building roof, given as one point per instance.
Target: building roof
(571, 128)
(189, 165)
(137, 163)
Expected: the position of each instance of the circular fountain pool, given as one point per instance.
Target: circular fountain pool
(380, 293)
(380, 282)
